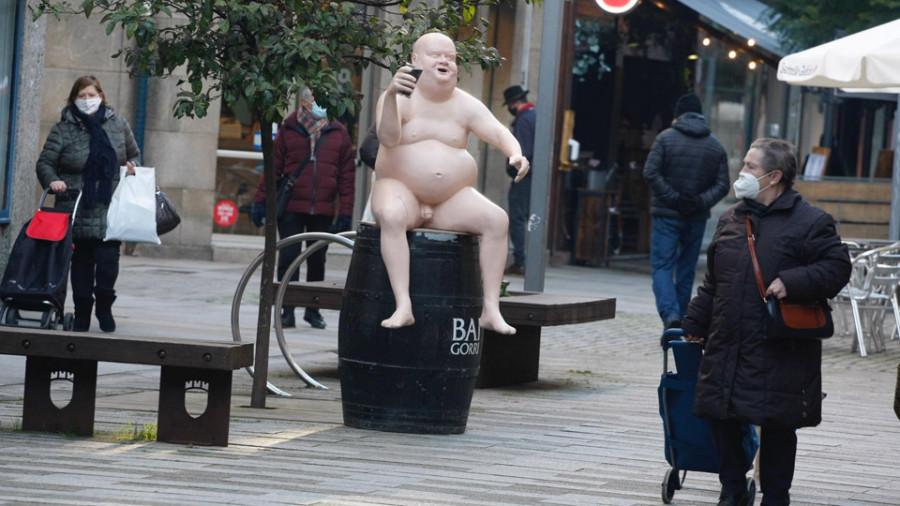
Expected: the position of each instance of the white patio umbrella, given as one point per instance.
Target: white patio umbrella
(865, 61)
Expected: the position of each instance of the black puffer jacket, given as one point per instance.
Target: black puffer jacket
(686, 159)
(742, 376)
(64, 156)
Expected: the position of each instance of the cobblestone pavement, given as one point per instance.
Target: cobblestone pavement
(587, 433)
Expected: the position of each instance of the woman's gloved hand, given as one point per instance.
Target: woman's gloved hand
(258, 214)
(341, 224)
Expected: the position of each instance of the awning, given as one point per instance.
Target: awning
(866, 59)
(743, 18)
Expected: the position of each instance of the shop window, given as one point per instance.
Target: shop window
(10, 23)
(239, 166)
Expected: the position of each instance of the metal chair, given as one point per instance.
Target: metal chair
(870, 296)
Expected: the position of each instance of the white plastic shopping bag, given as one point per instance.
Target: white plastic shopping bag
(132, 210)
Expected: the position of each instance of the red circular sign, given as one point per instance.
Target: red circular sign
(616, 6)
(225, 213)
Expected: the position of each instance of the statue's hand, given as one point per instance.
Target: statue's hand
(403, 82)
(520, 163)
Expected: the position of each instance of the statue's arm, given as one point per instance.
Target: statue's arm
(387, 118)
(387, 111)
(489, 129)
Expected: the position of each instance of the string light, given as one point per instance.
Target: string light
(751, 42)
(732, 54)
(751, 65)
(706, 41)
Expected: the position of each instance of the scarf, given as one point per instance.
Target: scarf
(102, 162)
(312, 125)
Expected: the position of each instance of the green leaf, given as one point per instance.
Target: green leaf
(468, 13)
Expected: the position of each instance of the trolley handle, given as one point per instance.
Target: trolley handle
(74, 209)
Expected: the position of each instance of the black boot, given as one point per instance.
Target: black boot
(314, 318)
(83, 306)
(287, 317)
(105, 301)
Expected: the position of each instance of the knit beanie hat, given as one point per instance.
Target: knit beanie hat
(688, 103)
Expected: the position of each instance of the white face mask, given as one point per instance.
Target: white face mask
(88, 106)
(747, 187)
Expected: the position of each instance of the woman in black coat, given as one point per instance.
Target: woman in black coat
(84, 151)
(774, 384)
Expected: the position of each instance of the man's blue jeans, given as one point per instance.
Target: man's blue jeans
(519, 208)
(674, 249)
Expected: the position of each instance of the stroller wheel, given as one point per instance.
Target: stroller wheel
(12, 316)
(68, 321)
(48, 320)
(751, 490)
(670, 484)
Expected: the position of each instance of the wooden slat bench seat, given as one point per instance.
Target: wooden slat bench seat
(505, 360)
(186, 364)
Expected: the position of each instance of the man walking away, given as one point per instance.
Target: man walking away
(687, 170)
(516, 101)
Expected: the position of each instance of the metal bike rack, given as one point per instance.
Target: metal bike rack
(323, 239)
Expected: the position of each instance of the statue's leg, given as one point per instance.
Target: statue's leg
(396, 210)
(470, 211)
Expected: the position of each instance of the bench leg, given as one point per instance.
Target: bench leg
(176, 425)
(40, 414)
(508, 360)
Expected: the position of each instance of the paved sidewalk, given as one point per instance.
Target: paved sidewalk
(587, 433)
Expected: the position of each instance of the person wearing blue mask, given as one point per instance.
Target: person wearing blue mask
(327, 176)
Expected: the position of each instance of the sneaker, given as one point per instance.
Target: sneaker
(515, 270)
(314, 318)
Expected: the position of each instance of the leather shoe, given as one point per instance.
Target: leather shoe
(515, 270)
(730, 500)
(287, 320)
(314, 318)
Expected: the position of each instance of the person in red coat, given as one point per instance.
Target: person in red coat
(327, 177)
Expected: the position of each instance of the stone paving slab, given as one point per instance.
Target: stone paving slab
(587, 433)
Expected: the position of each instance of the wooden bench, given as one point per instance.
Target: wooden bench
(186, 364)
(505, 360)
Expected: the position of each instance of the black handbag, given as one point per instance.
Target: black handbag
(286, 185)
(166, 215)
(791, 319)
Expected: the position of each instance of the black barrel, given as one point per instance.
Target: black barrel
(416, 379)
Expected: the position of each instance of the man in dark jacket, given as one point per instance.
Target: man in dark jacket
(516, 101)
(329, 173)
(687, 169)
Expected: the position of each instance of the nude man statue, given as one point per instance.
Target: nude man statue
(425, 177)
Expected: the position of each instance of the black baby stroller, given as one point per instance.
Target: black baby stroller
(35, 278)
(689, 444)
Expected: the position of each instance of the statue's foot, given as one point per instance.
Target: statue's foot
(497, 324)
(400, 318)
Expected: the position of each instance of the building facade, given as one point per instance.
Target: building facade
(618, 81)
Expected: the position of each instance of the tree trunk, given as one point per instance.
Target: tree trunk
(266, 291)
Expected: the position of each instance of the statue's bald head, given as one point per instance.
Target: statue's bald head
(429, 39)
